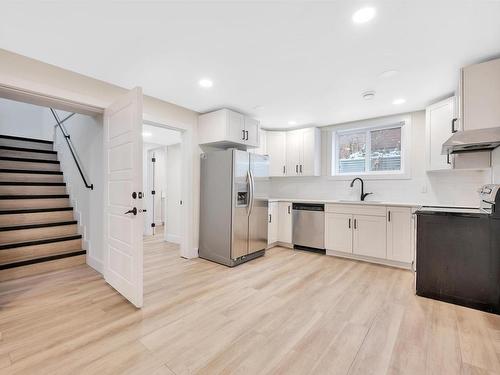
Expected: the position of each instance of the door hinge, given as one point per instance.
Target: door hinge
(153, 160)
(153, 192)
(153, 225)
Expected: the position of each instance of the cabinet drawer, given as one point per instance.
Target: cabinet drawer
(355, 209)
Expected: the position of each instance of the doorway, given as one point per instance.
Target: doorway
(162, 185)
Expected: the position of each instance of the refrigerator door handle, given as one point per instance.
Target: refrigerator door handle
(252, 191)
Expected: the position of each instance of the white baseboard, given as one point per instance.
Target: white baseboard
(96, 264)
(174, 238)
(385, 262)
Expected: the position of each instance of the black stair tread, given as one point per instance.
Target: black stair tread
(34, 210)
(30, 160)
(38, 225)
(31, 183)
(33, 196)
(8, 170)
(27, 262)
(27, 149)
(43, 241)
(16, 138)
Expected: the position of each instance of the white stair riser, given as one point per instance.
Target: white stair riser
(31, 177)
(36, 218)
(22, 235)
(28, 190)
(27, 154)
(25, 144)
(9, 164)
(10, 204)
(36, 251)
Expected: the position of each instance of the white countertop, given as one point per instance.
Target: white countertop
(339, 201)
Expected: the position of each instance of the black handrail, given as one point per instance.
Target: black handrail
(71, 147)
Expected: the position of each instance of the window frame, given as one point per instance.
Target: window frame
(403, 173)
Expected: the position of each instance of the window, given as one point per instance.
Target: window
(368, 151)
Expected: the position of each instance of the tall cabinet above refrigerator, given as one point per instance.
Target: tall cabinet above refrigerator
(233, 218)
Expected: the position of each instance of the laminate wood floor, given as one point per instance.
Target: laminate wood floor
(286, 313)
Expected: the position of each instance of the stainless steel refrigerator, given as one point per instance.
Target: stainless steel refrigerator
(233, 206)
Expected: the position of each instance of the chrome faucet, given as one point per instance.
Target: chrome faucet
(363, 194)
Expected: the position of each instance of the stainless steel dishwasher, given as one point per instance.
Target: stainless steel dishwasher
(309, 226)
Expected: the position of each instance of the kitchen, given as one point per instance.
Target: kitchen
(453, 143)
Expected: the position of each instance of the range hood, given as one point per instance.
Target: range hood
(472, 140)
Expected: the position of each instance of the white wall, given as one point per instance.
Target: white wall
(25, 120)
(86, 136)
(446, 188)
(173, 194)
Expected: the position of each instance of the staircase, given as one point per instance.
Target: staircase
(38, 232)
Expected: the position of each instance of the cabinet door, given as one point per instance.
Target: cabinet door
(272, 235)
(261, 150)
(252, 132)
(294, 145)
(338, 232)
(235, 127)
(285, 222)
(480, 95)
(439, 119)
(369, 236)
(276, 149)
(311, 152)
(399, 234)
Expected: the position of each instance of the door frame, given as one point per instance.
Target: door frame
(186, 246)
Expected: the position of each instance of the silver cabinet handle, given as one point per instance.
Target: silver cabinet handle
(296, 168)
(243, 138)
(289, 210)
(270, 218)
(301, 168)
(349, 223)
(284, 170)
(355, 224)
(389, 216)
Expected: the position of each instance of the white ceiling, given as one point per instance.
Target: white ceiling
(160, 136)
(278, 61)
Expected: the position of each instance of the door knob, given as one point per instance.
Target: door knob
(132, 211)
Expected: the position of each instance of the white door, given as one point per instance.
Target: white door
(236, 127)
(123, 257)
(251, 132)
(369, 237)
(272, 235)
(399, 238)
(293, 152)
(276, 149)
(285, 222)
(338, 232)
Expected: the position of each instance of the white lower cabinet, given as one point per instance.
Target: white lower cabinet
(272, 235)
(399, 234)
(369, 236)
(338, 232)
(384, 233)
(285, 222)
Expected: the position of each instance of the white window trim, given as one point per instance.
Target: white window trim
(382, 123)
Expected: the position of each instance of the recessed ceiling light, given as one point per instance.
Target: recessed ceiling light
(147, 134)
(205, 83)
(363, 15)
(388, 73)
(399, 101)
(368, 95)
(292, 122)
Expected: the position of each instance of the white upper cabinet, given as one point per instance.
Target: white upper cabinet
(480, 95)
(294, 152)
(439, 122)
(311, 152)
(294, 149)
(251, 132)
(225, 128)
(276, 149)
